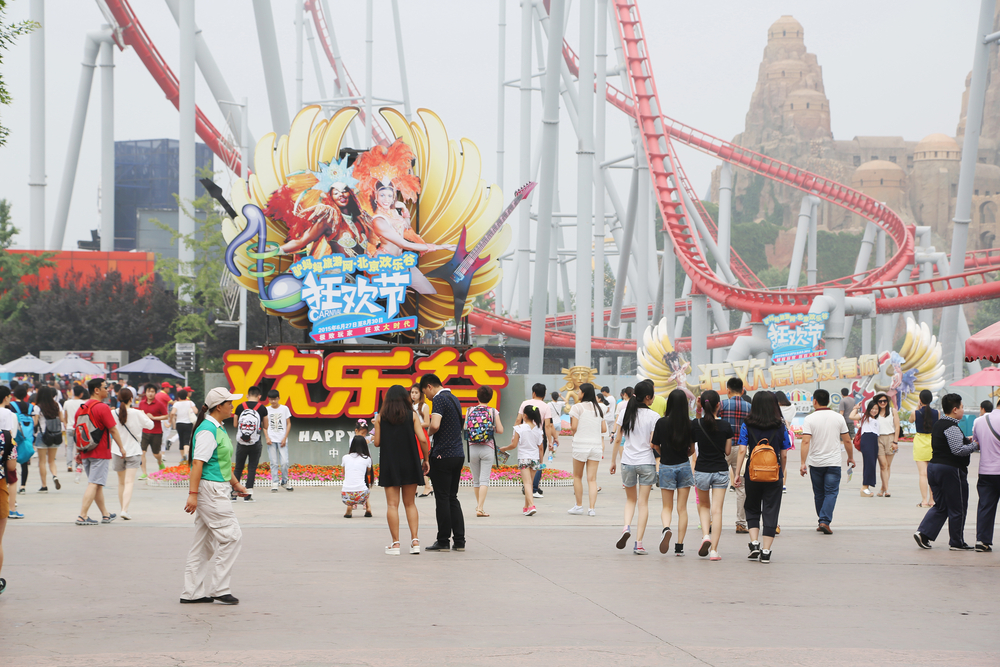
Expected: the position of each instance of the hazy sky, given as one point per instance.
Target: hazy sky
(890, 68)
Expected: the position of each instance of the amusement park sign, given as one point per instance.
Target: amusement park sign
(352, 384)
(340, 309)
(755, 376)
(794, 336)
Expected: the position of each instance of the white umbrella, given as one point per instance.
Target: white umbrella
(29, 363)
(72, 363)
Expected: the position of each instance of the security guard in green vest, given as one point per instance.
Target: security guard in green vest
(217, 532)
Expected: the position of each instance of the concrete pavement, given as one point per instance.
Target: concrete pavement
(316, 589)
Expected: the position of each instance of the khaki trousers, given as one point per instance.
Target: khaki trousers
(217, 541)
(741, 490)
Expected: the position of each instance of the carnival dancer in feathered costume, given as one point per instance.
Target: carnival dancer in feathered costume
(320, 208)
(381, 174)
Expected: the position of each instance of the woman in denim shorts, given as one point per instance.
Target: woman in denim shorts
(635, 427)
(711, 472)
(673, 439)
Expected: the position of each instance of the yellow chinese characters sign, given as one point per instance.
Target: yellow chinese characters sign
(348, 384)
(755, 376)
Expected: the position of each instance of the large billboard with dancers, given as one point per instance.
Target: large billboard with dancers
(350, 243)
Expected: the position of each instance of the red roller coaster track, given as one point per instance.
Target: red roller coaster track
(657, 131)
(133, 35)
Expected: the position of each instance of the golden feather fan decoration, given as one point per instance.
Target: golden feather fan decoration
(453, 195)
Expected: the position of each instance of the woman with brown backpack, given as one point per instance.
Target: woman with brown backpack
(763, 443)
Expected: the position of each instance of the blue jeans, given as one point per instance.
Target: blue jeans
(278, 456)
(826, 486)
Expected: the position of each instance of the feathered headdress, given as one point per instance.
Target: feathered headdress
(385, 165)
(334, 172)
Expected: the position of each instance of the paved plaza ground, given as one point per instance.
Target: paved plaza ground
(316, 589)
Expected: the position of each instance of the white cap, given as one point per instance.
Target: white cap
(220, 395)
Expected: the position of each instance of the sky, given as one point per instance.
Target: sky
(889, 69)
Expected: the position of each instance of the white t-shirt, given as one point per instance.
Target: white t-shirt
(136, 421)
(8, 421)
(355, 466)
(277, 419)
(619, 411)
(588, 427)
(555, 411)
(186, 411)
(529, 440)
(635, 444)
(70, 407)
(825, 428)
(543, 408)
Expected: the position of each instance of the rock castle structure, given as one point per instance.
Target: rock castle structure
(789, 119)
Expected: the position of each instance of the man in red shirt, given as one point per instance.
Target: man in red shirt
(152, 438)
(97, 461)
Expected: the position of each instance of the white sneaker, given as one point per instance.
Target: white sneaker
(125, 515)
(537, 494)
(591, 513)
(576, 509)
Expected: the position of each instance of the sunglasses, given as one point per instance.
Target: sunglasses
(882, 400)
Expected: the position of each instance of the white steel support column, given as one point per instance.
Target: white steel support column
(245, 155)
(524, 210)
(498, 300)
(369, 71)
(91, 46)
(550, 135)
(107, 146)
(311, 38)
(501, 70)
(640, 247)
(699, 331)
(669, 281)
(600, 110)
(298, 53)
(801, 238)
(274, 81)
(397, 24)
(949, 335)
(213, 77)
(725, 211)
(881, 321)
(926, 315)
(813, 223)
(624, 253)
(861, 265)
(186, 150)
(36, 165)
(585, 272)
(866, 335)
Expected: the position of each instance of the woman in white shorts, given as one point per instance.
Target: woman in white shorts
(130, 423)
(587, 426)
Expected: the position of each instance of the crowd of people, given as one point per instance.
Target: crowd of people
(708, 443)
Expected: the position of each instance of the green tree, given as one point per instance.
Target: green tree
(102, 312)
(8, 34)
(987, 313)
(836, 254)
(197, 283)
(15, 267)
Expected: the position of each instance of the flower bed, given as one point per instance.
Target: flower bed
(315, 475)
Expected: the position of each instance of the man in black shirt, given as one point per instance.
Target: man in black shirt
(948, 477)
(447, 458)
(248, 444)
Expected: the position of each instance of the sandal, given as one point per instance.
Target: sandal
(415, 546)
(481, 513)
(887, 495)
(393, 549)
(879, 494)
